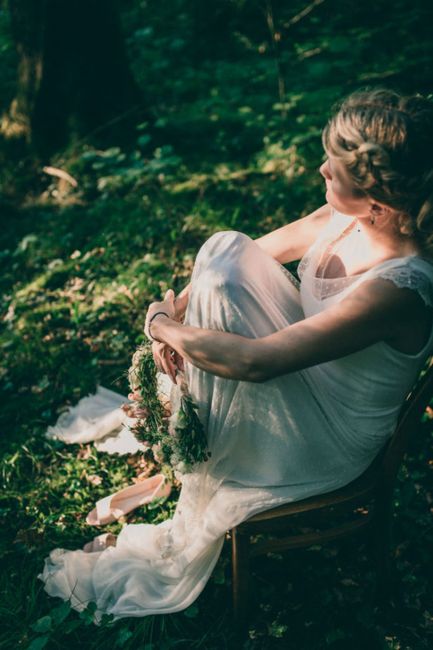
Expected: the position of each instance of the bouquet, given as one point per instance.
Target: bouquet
(176, 439)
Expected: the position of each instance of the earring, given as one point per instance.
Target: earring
(373, 213)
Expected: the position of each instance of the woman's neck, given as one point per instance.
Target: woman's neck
(385, 239)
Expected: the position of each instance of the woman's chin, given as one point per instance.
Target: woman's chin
(330, 201)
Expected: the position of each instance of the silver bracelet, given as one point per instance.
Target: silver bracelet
(158, 313)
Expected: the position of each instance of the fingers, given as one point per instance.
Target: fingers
(157, 352)
(134, 411)
(168, 364)
(129, 410)
(178, 360)
(164, 361)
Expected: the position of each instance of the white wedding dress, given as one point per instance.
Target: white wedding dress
(289, 438)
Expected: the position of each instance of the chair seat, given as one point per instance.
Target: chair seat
(357, 492)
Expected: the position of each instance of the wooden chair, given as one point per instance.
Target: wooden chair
(364, 504)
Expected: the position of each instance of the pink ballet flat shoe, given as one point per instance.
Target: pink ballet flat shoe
(100, 543)
(119, 504)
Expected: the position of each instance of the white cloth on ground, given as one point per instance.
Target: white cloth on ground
(98, 418)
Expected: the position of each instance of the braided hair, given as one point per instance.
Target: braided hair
(385, 141)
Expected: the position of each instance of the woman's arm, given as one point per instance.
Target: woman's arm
(377, 311)
(290, 242)
(284, 244)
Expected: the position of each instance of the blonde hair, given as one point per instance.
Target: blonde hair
(385, 140)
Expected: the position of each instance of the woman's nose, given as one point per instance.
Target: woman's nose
(324, 170)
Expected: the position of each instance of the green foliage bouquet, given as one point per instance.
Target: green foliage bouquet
(176, 439)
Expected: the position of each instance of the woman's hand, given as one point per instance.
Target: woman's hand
(131, 409)
(167, 360)
(165, 307)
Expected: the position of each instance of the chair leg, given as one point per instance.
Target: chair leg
(240, 575)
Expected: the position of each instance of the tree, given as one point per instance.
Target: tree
(73, 76)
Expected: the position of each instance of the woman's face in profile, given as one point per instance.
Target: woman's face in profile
(340, 191)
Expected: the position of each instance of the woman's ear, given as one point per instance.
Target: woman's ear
(378, 209)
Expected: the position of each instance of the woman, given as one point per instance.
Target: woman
(298, 387)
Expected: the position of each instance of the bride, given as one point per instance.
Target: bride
(298, 385)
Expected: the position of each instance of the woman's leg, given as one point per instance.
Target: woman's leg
(237, 287)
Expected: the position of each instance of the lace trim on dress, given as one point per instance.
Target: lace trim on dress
(337, 231)
(406, 277)
(289, 276)
(403, 276)
(305, 261)
(322, 288)
(401, 273)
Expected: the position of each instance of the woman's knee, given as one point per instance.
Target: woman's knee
(226, 243)
(220, 262)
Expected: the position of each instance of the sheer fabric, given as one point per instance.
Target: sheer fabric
(292, 437)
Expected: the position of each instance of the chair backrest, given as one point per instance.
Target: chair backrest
(411, 412)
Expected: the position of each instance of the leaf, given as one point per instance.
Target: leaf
(143, 140)
(277, 630)
(87, 615)
(59, 614)
(39, 643)
(42, 625)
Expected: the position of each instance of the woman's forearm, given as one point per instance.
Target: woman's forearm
(290, 242)
(221, 353)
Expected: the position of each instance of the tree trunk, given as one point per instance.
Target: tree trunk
(27, 23)
(73, 75)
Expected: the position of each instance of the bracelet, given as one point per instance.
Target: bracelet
(158, 313)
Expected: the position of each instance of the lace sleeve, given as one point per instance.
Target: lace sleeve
(405, 276)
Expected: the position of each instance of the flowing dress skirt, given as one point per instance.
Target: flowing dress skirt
(271, 443)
